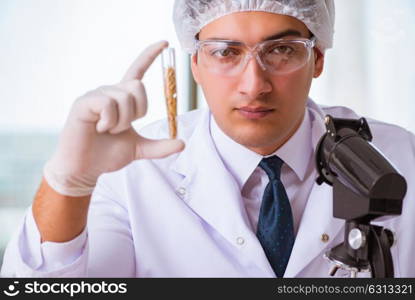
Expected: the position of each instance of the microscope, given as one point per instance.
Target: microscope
(366, 186)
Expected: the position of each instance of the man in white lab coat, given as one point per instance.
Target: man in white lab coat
(159, 209)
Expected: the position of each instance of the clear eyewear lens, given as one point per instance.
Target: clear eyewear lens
(285, 57)
(276, 56)
(222, 58)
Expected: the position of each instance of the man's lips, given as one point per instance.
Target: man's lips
(252, 112)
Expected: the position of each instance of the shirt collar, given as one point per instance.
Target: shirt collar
(297, 151)
(241, 162)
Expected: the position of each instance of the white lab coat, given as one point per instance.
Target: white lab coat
(183, 216)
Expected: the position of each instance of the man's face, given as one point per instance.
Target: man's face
(277, 101)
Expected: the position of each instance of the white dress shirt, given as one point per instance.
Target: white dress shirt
(297, 172)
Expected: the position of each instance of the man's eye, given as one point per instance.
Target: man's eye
(283, 49)
(225, 52)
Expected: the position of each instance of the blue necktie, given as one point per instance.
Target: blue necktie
(275, 224)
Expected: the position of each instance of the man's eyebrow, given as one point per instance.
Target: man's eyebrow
(283, 34)
(288, 32)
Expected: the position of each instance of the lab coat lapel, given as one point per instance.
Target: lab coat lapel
(213, 194)
(318, 217)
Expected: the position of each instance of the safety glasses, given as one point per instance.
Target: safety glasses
(281, 56)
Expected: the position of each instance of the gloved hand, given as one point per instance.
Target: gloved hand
(98, 136)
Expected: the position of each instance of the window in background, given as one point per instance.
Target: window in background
(53, 51)
(370, 68)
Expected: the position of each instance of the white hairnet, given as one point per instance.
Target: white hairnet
(191, 15)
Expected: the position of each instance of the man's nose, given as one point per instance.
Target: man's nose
(254, 81)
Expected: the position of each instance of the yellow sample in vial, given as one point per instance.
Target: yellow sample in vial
(170, 88)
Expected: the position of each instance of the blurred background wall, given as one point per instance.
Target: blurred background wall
(53, 51)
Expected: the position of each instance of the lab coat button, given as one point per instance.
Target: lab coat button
(181, 191)
(325, 237)
(240, 240)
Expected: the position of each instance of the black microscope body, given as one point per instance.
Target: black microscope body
(365, 186)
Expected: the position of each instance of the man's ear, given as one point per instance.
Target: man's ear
(318, 62)
(195, 68)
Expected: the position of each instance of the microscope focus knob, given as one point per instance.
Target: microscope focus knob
(356, 239)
